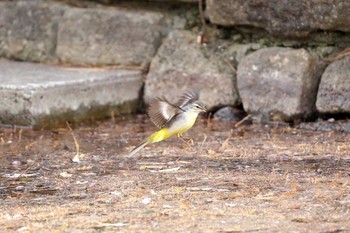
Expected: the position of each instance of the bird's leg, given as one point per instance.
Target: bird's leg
(188, 141)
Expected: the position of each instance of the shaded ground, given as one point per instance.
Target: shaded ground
(251, 179)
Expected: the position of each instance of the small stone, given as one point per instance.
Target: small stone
(146, 200)
(16, 163)
(66, 175)
(229, 114)
(331, 120)
(19, 188)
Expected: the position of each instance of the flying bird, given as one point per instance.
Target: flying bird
(172, 119)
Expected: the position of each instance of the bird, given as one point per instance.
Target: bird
(172, 119)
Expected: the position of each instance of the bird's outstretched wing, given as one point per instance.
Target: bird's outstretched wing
(161, 111)
(187, 98)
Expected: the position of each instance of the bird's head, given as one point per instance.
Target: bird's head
(198, 107)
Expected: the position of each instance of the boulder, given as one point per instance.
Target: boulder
(172, 1)
(113, 36)
(287, 18)
(279, 83)
(28, 29)
(182, 64)
(333, 95)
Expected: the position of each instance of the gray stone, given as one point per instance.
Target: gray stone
(28, 29)
(238, 51)
(114, 36)
(279, 83)
(334, 90)
(229, 114)
(288, 18)
(44, 96)
(189, 1)
(183, 64)
(115, 1)
(320, 125)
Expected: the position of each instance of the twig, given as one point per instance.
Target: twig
(201, 14)
(224, 144)
(228, 63)
(77, 147)
(30, 145)
(338, 56)
(105, 67)
(20, 135)
(201, 38)
(17, 126)
(242, 121)
(209, 119)
(113, 116)
(205, 138)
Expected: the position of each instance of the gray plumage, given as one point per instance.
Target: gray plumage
(162, 112)
(175, 118)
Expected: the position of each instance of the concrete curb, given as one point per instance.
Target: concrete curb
(40, 95)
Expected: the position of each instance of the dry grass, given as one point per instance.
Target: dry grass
(250, 179)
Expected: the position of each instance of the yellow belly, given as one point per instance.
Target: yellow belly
(159, 135)
(177, 128)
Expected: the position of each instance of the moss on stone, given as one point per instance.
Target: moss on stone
(84, 114)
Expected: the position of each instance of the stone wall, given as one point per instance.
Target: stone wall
(267, 56)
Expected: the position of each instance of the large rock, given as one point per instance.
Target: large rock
(44, 96)
(28, 29)
(183, 64)
(279, 83)
(289, 18)
(334, 90)
(113, 36)
(115, 1)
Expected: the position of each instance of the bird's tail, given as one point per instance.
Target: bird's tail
(137, 148)
(155, 137)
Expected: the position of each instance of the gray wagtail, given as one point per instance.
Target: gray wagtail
(172, 119)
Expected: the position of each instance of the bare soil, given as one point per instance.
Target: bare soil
(254, 178)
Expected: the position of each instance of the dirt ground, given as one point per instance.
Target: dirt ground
(254, 178)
